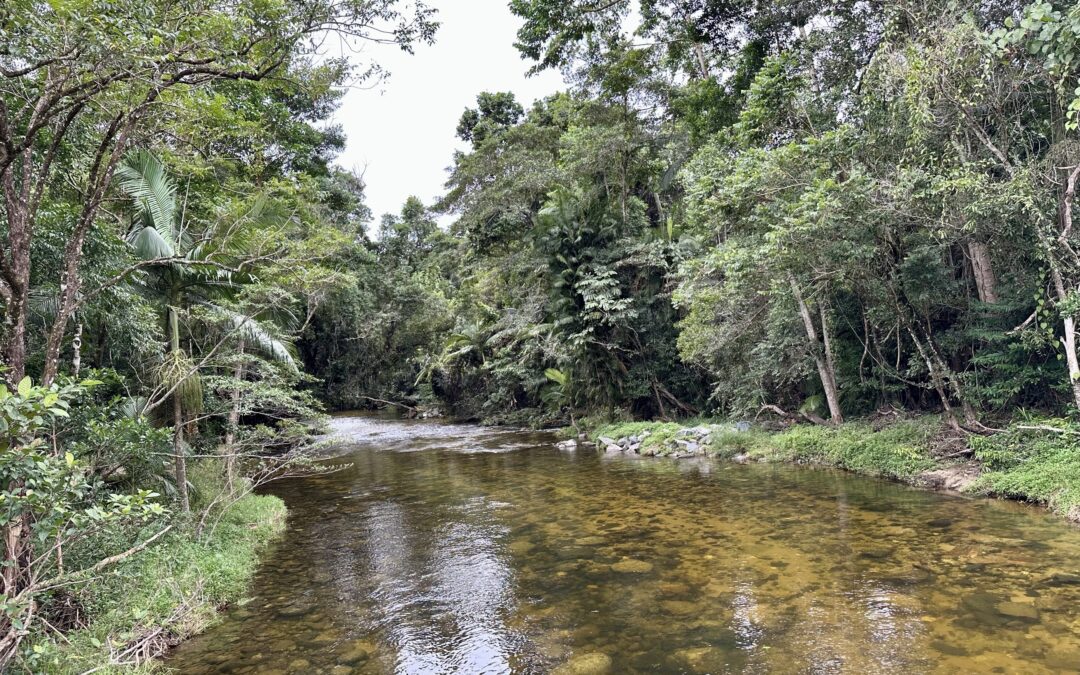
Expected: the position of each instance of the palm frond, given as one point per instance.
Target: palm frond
(143, 177)
(148, 244)
(256, 335)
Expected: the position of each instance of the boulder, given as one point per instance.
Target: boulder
(567, 445)
(606, 441)
(612, 449)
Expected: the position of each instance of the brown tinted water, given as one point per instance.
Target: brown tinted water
(448, 549)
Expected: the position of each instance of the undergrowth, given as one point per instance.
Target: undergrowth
(1030, 462)
(179, 584)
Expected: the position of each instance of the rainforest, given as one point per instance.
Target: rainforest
(756, 276)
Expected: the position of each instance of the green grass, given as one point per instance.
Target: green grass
(1033, 465)
(144, 591)
(900, 451)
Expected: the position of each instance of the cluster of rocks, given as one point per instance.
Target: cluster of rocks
(688, 442)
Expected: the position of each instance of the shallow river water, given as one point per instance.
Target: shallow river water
(457, 549)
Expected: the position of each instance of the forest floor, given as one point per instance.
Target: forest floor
(1042, 468)
(169, 592)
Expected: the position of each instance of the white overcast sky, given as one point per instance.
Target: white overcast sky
(402, 134)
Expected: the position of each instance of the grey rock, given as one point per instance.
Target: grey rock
(605, 441)
(612, 449)
(1018, 610)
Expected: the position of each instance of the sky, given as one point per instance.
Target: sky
(402, 134)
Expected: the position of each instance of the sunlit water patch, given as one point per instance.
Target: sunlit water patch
(458, 549)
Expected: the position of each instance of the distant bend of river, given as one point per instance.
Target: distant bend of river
(460, 549)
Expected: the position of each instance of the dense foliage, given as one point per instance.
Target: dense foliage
(170, 222)
(817, 208)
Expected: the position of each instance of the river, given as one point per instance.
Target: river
(460, 549)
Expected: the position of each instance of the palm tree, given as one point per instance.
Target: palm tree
(183, 272)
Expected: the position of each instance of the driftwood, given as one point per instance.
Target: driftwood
(400, 405)
(808, 416)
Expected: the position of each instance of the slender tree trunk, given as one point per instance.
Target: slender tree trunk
(76, 348)
(982, 266)
(179, 459)
(179, 456)
(234, 421)
(1069, 339)
(936, 380)
(822, 357)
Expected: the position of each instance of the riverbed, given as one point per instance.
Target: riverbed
(459, 549)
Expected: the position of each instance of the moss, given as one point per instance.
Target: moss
(145, 591)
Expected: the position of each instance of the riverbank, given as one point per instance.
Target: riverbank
(1038, 463)
(165, 594)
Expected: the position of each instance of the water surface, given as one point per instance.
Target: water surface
(455, 549)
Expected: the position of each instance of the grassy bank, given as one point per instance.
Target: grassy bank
(1034, 461)
(172, 590)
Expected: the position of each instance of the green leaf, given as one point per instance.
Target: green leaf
(24, 386)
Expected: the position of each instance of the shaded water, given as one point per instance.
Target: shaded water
(448, 549)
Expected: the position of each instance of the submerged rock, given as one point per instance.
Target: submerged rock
(595, 663)
(357, 652)
(567, 445)
(679, 607)
(595, 540)
(632, 566)
(1018, 610)
(1060, 579)
(295, 610)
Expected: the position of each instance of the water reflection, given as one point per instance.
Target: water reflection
(448, 549)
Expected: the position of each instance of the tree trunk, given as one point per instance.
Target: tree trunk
(822, 356)
(1069, 340)
(982, 267)
(937, 380)
(76, 348)
(179, 458)
(234, 421)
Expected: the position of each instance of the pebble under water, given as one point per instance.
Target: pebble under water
(458, 549)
